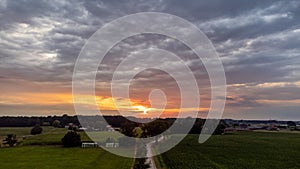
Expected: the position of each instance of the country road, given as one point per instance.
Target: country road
(150, 159)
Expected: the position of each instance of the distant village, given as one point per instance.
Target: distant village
(262, 125)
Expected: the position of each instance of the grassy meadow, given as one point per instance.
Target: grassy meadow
(49, 157)
(44, 151)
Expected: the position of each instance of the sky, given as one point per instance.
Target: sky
(257, 41)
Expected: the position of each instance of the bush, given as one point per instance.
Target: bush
(36, 130)
(10, 140)
(140, 164)
(72, 127)
(71, 139)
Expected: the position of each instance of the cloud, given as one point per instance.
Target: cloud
(257, 42)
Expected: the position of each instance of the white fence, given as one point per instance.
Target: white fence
(89, 145)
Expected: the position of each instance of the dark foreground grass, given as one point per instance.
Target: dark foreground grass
(50, 157)
(250, 150)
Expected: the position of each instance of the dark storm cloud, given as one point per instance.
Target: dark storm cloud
(23, 11)
(272, 17)
(76, 21)
(206, 10)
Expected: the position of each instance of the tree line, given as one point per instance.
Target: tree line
(127, 126)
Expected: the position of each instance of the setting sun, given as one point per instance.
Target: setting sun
(142, 108)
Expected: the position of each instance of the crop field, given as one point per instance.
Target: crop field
(247, 150)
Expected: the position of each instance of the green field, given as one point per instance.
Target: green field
(45, 151)
(22, 131)
(49, 136)
(50, 157)
(250, 150)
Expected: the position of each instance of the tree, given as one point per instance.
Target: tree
(10, 140)
(291, 125)
(56, 123)
(127, 128)
(220, 129)
(197, 127)
(154, 128)
(36, 130)
(71, 139)
(73, 127)
(137, 132)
